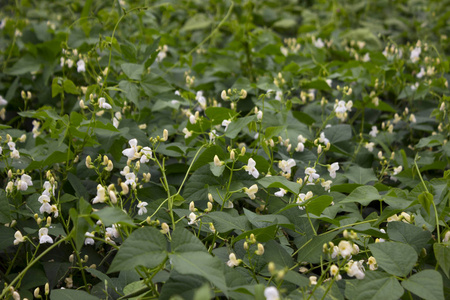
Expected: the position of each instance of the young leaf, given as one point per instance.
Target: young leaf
(395, 258)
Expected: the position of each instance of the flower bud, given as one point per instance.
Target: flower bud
(165, 228)
(243, 150)
(224, 96)
(36, 293)
(89, 162)
(210, 197)
(49, 221)
(232, 155)
(113, 197)
(271, 267)
(110, 166)
(165, 135)
(16, 295)
(245, 246)
(124, 187)
(243, 94)
(260, 250)
(47, 289)
(192, 206)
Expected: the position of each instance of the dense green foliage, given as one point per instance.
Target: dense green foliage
(224, 149)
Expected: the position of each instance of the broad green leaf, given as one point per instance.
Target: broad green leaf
(285, 23)
(66, 294)
(224, 222)
(216, 170)
(144, 247)
(280, 182)
(426, 284)
(274, 252)
(311, 251)
(261, 221)
(426, 199)
(182, 286)
(218, 114)
(103, 277)
(338, 133)
(237, 126)
(113, 215)
(317, 205)
(154, 84)
(200, 263)
(360, 175)
(133, 71)
(197, 22)
(375, 285)
(409, 234)
(25, 65)
(70, 87)
(363, 194)
(442, 254)
(395, 258)
(184, 241)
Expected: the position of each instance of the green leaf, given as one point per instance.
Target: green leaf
(311, 251)
(285, 23)
(182, 286)
(144, 247)
(426, 199)
(184, 241)
(218, 114)
(395, 258)
(133, 71)
(216, 170)
(66, 294)
(197, 22)
(442, 254)
(360, 175)
(261, 234)
(280, 182)
(317, 205)
(338, 133)
(224, 222)
(426, 284)
(70, 87)
(154, 84)
(363, 194)
(200, 263)
(236, 126)
(113, 215)
(374, 286)
(24, 65)
(274, 252)
(408, 234)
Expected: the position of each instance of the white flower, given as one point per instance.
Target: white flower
(45, 207)
(335, 252)
(271, 293)
(332, 169)
(414, 86)
(89, 239)
(201, 99)
(192, 219)
(12, 146)
(415, 54)
(18, 238)
(212, 136)
(345, 249)
(142, 209)
(356, 269)
(233, 262)
(146, 154)
(112, 232)
(131, 152)
(15, 154)
(366, 57)
(397, 170)
(48, 189)
(313, 280)
(421, 73)
(251, 191)
(326, 185)
(369, 146)
(81, 66)
(44, 237)
(372, 262)
(340, 107)
(101, 195)
(54, 210)
(187, 133)
(130, 179)
(286, 165)
(125, 171)
(311, 173)
(102, 103)
(35, 129)
(300, 147)
(412, 118)
(323, 139)
(281, 192)
(278, 95)
(334, 270)
(302, 198)
(374, 131)
(319, 43)
(115, 122)
(3, 102)
(225, 123)
(251, 168)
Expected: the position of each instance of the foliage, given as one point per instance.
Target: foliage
(220, 149)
